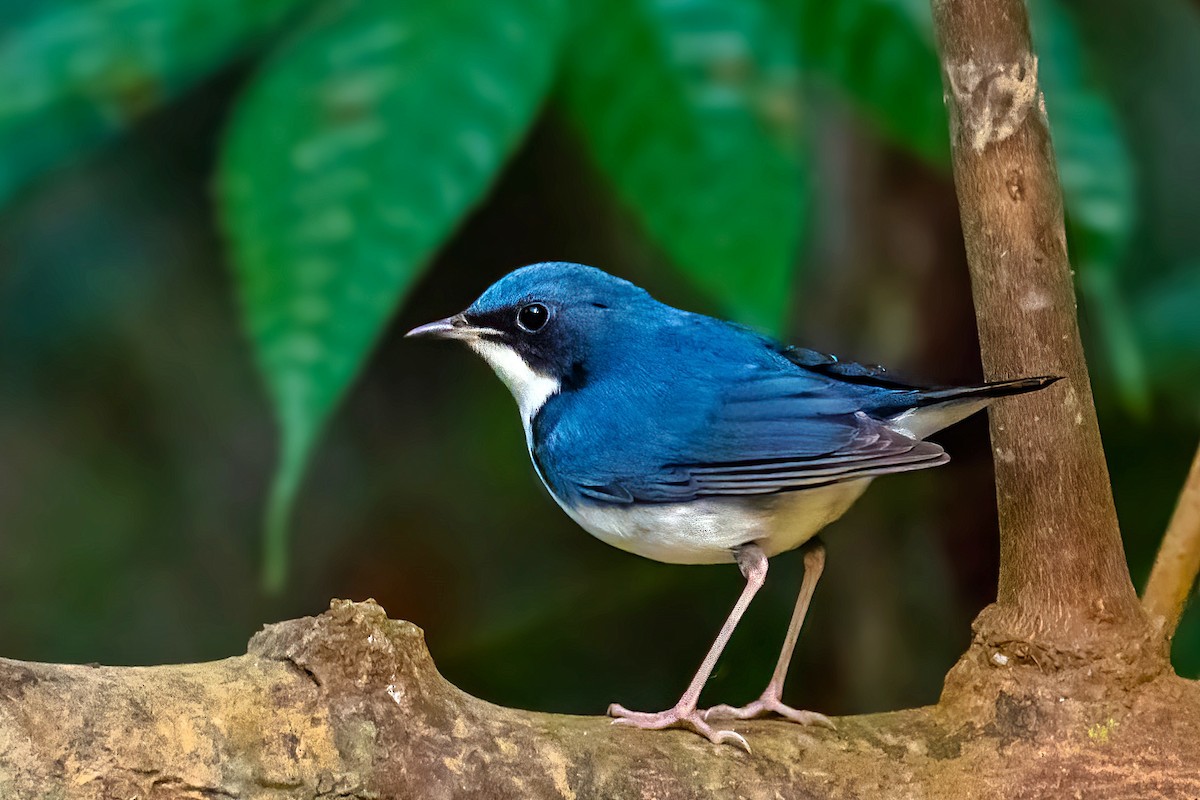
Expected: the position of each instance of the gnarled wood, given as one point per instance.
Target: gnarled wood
(350, 705)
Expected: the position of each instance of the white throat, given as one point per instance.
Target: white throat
(530, 388)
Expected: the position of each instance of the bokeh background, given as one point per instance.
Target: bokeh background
(221, 216)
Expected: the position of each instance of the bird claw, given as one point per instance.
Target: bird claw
(765, 706)
(688, 719)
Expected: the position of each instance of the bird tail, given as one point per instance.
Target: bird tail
(935, 409)
(990, 391)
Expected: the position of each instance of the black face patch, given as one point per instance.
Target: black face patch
(548, 349)
(575, 378)
(500, 321)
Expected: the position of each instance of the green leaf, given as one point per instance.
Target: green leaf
(691, 108)
(349, 162)
(881, 54)
(76, 72)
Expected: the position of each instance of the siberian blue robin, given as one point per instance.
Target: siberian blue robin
(689, 440)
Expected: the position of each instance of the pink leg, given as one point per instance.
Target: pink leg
(771, 701)
(753, 563)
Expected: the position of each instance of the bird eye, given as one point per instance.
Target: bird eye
(532, 317)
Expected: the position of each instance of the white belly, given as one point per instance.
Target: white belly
(706, 531)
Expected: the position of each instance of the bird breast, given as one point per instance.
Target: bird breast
(707, 530)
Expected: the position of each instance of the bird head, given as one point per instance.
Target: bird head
(544, 328)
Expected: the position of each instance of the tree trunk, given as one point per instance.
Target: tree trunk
(1063, 577)
(1065, 604)
(1065, 691)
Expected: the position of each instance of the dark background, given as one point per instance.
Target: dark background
(136, 442)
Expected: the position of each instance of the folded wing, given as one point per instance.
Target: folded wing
(768, 435)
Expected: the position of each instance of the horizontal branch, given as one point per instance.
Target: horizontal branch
(350, 705)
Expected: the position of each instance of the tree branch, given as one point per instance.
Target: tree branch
(349, 705)
(1062, 567)
(1178, 560)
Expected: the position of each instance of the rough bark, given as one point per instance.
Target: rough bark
(349, 705)
(1064, 591)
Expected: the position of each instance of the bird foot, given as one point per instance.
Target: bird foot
(765, 706)
(686, 718)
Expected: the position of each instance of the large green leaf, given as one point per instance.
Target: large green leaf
(349, 162)
(74, 72)
(691, 108)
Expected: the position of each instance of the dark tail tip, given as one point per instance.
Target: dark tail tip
(1020, 385)
(994, 389)
(1017, 386)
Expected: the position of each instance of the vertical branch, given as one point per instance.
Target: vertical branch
(1178, 559)
(1062, 567)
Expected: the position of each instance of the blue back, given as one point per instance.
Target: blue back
(672, 405)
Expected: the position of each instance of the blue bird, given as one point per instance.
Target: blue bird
(690, 440)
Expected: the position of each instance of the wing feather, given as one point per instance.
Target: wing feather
(871, 450)
(769, 429)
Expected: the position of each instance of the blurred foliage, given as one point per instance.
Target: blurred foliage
(372, 129)
(705, 148)
(1096, 172)
(349, 161)
(692, 109)
(881, 54)
(74, 73)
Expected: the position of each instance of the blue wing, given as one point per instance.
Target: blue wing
(763, 431)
